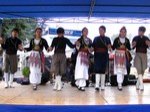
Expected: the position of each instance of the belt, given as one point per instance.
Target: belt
(84, 50)
(100, 50)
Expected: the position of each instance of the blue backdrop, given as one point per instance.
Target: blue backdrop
(98, 108)
(75, 8)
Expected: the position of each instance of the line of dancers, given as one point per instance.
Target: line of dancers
(101, 46)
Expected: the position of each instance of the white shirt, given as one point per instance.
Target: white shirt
(36, 41)
(122, 39)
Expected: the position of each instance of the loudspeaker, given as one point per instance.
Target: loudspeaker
(45, 78)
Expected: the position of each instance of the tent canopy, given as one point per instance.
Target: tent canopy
(74, 8)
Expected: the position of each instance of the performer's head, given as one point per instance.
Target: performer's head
(60, 32)
(15, 32)
(102, 30)
(38, 32)
(123, 32)
(141, 30)
(84, 32)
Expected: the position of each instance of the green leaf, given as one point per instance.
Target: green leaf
(26, 71)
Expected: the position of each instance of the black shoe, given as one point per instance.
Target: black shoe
(6, 87)
(97, 89)
(79, 88)
(11, 87)
(34, 87)
(82, 89)
(141, 89)
(102, 89)
(120, 89)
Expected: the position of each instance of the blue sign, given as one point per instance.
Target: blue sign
(53, 31)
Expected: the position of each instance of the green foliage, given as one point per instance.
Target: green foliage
(26, 71)
(26, 27)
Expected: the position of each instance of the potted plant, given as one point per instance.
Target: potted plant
(25, 73)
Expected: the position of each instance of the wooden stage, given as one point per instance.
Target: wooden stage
(72, 96)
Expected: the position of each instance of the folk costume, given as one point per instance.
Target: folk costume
(140, 60)
(82, 63)
(122, 58)
(59, 59)
(10, 46)
(36, 60)
(101, 58)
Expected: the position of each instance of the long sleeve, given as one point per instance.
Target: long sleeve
(93, 43)
(53, 43)
(45, 44)
(69, 43)
(128, 45)
(134, 40)
(90, 43)
(108, 41)
(5, 44)
(114, 44)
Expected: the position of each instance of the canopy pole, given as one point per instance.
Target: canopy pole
(1, 20)
(91, 8)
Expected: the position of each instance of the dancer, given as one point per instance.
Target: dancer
(59, 59)
(11, 45)
(82, 64)
(36, 58)
(101, 45)
(122, 46)
(140, 43)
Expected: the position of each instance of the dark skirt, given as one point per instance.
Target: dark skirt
(100, 62)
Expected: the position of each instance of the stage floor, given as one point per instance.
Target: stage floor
(72, 96)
